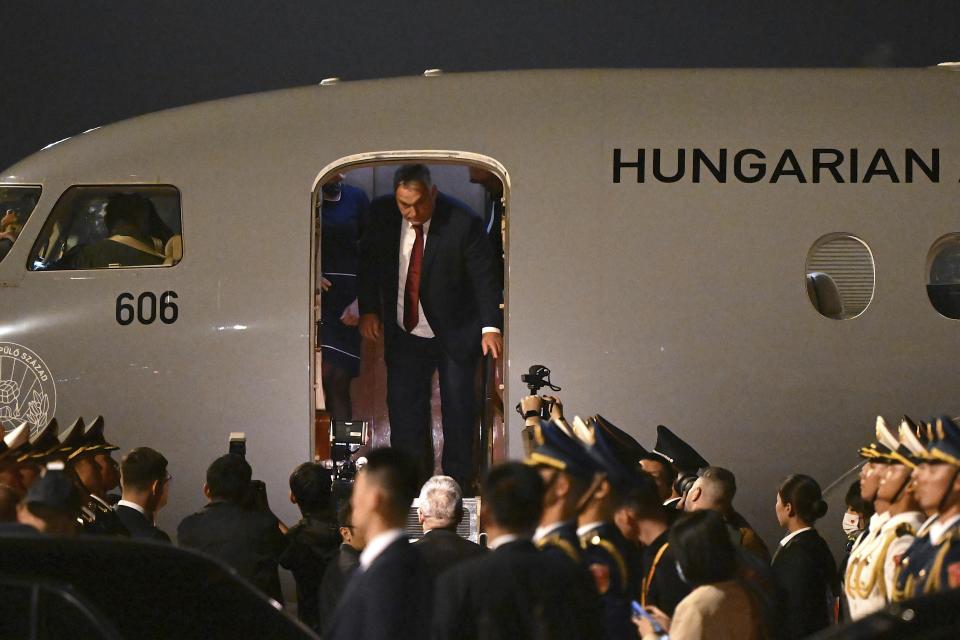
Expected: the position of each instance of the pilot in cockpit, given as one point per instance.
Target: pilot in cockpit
(129, 219)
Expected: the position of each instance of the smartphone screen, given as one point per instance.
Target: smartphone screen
(643, 613)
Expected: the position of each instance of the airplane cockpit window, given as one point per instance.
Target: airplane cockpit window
(16, 205)
(111, 227)
(840, 276)
(943, 276)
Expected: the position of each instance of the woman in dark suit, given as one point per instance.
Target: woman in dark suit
(803, 565)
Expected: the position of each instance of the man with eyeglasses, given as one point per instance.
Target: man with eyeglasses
(146, 487)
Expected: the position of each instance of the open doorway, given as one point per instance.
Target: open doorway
(351, 377)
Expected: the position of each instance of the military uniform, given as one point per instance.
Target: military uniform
(911, 566)
(932, 563)
(77, 441)
(559, 539)
(612, 560)
(870, 576)
(613, 564)
(555, 449)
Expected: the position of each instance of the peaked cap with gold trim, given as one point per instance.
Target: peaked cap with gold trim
(877, 451)
(898, 452)
(557, 450)
(94, 439)
(623, 474)
(43, 445)
(911, 439)
(631, 450)
(15, 442)
(945, 446)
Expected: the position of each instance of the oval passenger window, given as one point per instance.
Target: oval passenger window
(943, 275)
(840, 276)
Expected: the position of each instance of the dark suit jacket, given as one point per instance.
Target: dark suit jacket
(515, 593)
(805, 572)
(138, 525)
(442, 548)
(459, 291)
(390, 600)
(248, 541)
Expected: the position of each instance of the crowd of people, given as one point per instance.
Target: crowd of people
(592, 535)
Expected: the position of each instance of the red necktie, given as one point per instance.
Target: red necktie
(411, 291)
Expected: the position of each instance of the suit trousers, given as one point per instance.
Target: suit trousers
(411, 363)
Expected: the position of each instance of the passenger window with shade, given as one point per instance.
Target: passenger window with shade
(943, 275)
(840, 276)
(111, 227)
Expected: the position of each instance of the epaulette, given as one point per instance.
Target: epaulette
(933, 582)
(560, 543)
(591, 539)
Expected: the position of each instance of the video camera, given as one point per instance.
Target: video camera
(536, 378)
(346, 438)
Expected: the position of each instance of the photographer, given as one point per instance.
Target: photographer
(250, 541)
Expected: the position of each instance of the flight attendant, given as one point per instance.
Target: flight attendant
(342, 215)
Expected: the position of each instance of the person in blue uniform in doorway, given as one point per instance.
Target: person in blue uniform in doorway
(343, 211)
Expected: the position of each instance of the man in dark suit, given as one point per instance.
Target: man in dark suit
(427, 283)
(440, 509)
(389, 595)
(247, 540)
(343, 565)
(146, 486)
(515, 592)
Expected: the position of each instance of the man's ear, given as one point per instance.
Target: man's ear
(293, 498)
(433, 192)
(420, 517)
(206, 491)
(603, 490)
(694, 494)
(562, 485)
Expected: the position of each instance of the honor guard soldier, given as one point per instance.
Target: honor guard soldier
(76, 449)
(876, 457)
(870, 575)
(932, 564)
(610, 558)
(109, 468)
(569, 476)
(92, 445)
(912, 560)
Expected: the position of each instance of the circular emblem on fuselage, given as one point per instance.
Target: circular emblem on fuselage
(27, 390)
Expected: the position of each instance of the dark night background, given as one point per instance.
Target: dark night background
(69, 66)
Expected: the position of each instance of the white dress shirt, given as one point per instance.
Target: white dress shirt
(407, 239)
(543, 532)
(939, 528)
(790, 536)
(587, 528)
(134, 506)
(377, 546)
